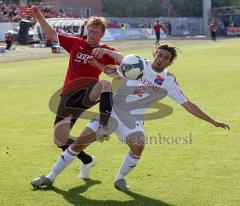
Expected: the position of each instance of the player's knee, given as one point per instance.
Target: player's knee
(136, 142)
(137, 150)
(59, 142)
(61, 135)
(62, 129)
(99, 88)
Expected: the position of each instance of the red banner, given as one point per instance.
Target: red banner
(233, 31)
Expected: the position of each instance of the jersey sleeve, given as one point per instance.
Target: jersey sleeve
(175, 93)
(108, 59)
(67, 42)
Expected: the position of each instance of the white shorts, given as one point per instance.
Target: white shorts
(122, 130)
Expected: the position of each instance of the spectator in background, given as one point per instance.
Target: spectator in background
(123, 26)
(143, 24)
(149, 24)
(1, 5)
(213, 30)
(61, 13)
(157, 29)
(9, 12)
(83, 30)
(169, 28)
(61, 30)
(9, 40)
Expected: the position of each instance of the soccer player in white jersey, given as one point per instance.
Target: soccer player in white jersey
(155, 85)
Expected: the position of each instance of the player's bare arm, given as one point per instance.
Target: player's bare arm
(47, 29)
(110, 70)
(196, 111)
(100, 52)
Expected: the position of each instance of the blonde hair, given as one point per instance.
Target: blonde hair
(97, 21)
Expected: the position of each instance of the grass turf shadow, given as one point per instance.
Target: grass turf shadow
(74, 197)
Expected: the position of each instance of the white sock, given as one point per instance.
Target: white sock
(63, 161)
(128, 164)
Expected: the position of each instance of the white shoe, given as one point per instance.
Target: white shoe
(121, 184)
(85, 168)
(41, 182)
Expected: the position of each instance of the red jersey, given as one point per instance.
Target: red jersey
(212, 28)
(79, 50)
(9, 37)
(157, 27)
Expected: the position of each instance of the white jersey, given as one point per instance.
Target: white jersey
(139, 95)
(134, 97)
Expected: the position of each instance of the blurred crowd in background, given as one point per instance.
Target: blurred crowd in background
(14, 12)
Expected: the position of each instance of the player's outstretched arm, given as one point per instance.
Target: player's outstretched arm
(110, 70)
(47, 29)
(196, 111)
(99, 52)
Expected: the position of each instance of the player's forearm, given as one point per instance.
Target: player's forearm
(115, 55)
(111, 70)
(100, 66)
(108, 70)
(47, 29)
(196, 111)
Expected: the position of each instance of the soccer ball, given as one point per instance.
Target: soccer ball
(132, 67)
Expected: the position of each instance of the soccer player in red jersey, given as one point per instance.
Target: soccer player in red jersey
(82, 88)
(213, 30)
(157, 29)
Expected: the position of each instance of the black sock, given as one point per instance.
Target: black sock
(84, 157)
(68, 143)
(105, 107)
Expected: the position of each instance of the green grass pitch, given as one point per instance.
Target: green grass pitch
(205, 172)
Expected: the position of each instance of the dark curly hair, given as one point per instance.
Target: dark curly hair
(169, 47)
